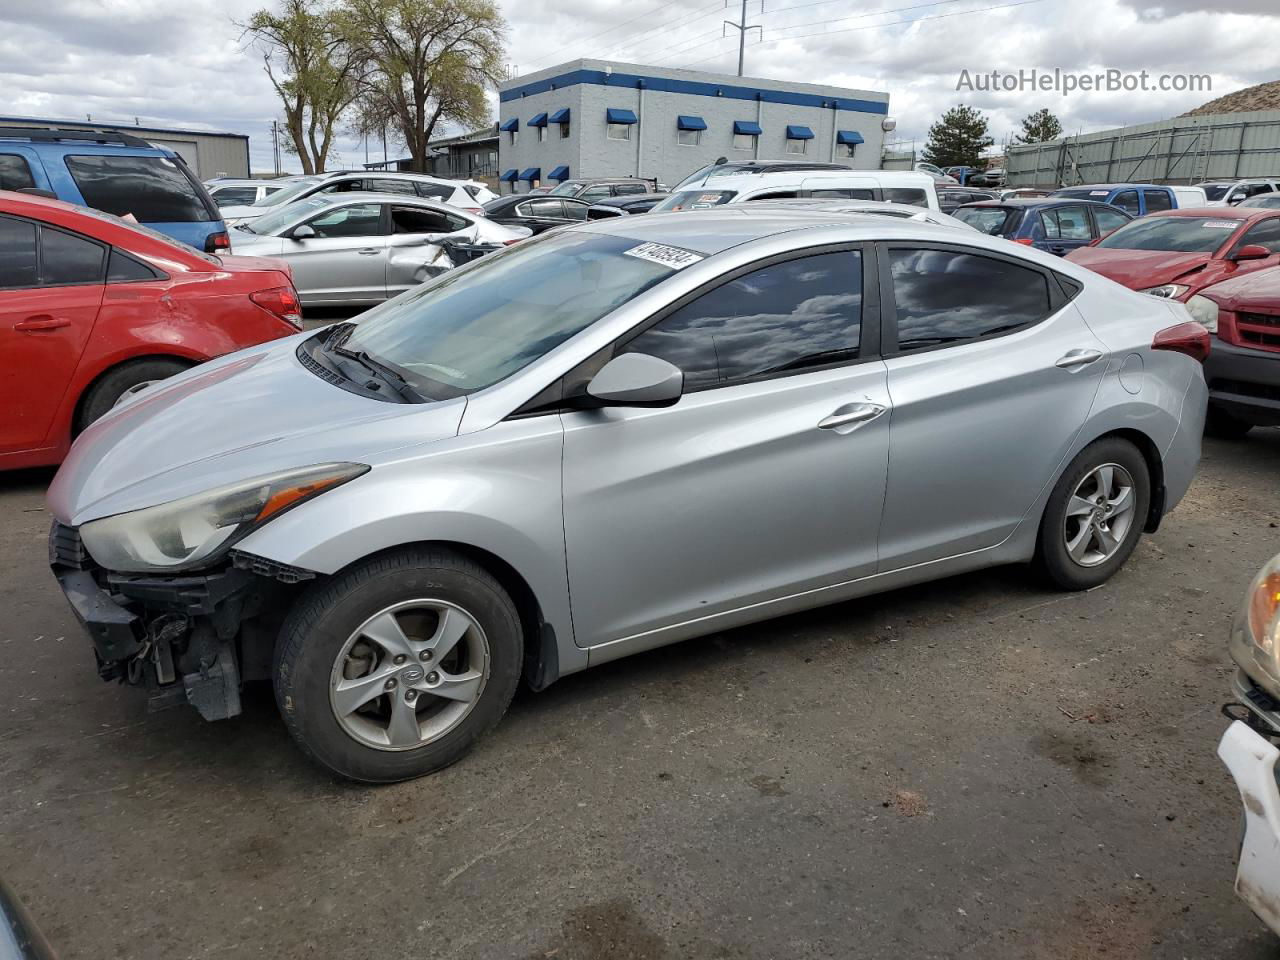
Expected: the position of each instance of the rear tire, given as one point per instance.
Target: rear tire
(1095, 515)
(115, 383)
(1218, 423)
(396, 667)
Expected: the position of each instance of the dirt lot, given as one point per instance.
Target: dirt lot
(978, 767)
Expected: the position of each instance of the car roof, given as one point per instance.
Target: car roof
(745, 181)
(1113, 186)
(394, 175)
(1219, 213)
(364, 196)
(235, 182)
(1039, 202)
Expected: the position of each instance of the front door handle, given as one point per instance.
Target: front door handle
(1078, 358)
(368, 251)
(41, 322)
(851, 414)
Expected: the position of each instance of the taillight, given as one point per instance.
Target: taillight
(281, 301)
(217, 241)
(1025, 241)
(478, 211)
(1190, 338)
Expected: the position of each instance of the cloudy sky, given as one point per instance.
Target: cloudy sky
(185, 64)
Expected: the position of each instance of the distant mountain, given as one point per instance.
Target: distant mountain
(1264, 96)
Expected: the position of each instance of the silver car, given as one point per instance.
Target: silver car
(608, 438)
(363, 248)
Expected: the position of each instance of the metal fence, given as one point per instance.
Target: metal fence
(1224, 146)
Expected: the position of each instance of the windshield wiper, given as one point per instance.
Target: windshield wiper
(387, 376)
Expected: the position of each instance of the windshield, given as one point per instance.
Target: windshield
(988, 220)
(1175, 234)
(695, 200)
(1215, 191)
(473, 327)
(286, 194)
(153, 234)
(566, 189)
(271, 223)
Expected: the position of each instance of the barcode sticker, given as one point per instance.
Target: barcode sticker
(1221, 224)
(673, 257)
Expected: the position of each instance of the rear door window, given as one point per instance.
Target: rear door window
(68, 260)
(1066, 223)
(1108, 219)
(777, 320)
(574, 210)
(15, 172)
(390, 185)
(361, 220)
(436, 191)
(844, 193)
(234, 196)
(988, 220)
(549, 207)
(917, 198)
(421, 220)
(17, 253)
(591, 194)
(945, 297)
(153, 189)
(1127, 200)
(1157, 200)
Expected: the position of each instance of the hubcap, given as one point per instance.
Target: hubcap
(1099, 515)
(384, 696)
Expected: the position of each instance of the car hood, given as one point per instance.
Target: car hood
(1259, 290)
(1139, 269)
(235, 418)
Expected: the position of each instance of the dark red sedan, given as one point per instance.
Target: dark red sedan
(1176, 253)
(92, 308)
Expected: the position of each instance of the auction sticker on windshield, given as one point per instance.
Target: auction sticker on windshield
(673, 257)
(1221, 224)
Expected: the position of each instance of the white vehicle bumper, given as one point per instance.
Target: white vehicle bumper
(1251, 758)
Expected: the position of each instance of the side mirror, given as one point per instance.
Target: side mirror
(1251, 251)
(301, 232)
(637, 380)
(1234, 199)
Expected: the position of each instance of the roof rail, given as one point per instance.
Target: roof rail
(57, 133)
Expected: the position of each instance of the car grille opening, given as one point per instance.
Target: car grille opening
(66, 549)
(1258, 330)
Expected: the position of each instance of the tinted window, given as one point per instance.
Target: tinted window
(988, 220)
(845, 193)
(15, 174)
(626, 189)
(67, 259)
(776, 195)
(1109, 219)
(418, 220)
(122, 268)
(1215, 191)
(153, 189)
(17, 253)
(361, 220)
(1174, 234)
(790, 316)
(575, 211)
(1066, 223)
(234, 196)
(1266, 233)
(1157, 200)
(437, 191)
(544, 208)
(942, 296)
(1253, 189)
(1126, 200)
(916, 198)
(595, 193)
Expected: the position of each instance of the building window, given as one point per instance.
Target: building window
(688, 138)
(797, 146)
(564, 130)
(845, 150)
(744, 141)
(542, 134)
(619, 131)
(515, 136)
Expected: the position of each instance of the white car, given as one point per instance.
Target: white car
(363, 248)
(877, 208)
(1227, 193)
(469, 195)
(236, 192)
(897, 186)
(940, 176)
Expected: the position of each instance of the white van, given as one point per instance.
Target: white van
(897, 186)
(1189, 197)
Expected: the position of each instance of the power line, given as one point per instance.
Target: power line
(661, 33)
(617, 26)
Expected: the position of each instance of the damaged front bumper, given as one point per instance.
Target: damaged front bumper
(1251, 757)
(186, 639)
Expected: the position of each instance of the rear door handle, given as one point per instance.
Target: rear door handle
(368, 251)
(42, 322)
(1078, 358)
(850, 414)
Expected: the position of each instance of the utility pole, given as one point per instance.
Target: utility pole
(742, 27)
(275, 145)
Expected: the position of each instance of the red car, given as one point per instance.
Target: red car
(1243, 368)
(92, 307)
(1176, 253)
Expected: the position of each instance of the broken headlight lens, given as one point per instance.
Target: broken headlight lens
(1262, 609)
(197, 530)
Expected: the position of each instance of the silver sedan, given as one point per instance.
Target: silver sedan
(362, 248)
(607, 438)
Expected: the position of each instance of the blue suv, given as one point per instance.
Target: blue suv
(1051, 224)
(116, 173)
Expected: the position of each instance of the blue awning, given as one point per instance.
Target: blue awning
(684, 122)
(560, 116)
(851, 137)
(560, 173)
(748, 127)
(510, 176)
(512, 124)
(617, 115)
(531, 173)
(797, 132)
(539, 121)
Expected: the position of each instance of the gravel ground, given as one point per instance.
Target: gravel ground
(977, 767)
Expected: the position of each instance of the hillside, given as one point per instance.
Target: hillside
(1263, 96)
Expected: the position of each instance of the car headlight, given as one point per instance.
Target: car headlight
(1170, 291)
(197, 530)
(1204, 311)
(1255, 632)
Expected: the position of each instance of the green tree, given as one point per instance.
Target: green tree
(1039, 127)
(427, 62)
(958, 138)
(314, 71)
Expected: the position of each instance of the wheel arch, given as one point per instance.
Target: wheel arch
(77, 410)
(1155, 467)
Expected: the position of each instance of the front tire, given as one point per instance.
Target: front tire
(395, 668)
(1095, 515)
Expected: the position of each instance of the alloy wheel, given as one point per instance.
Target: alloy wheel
(1099, 515)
